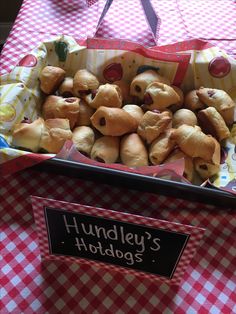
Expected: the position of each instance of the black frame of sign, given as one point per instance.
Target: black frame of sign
(206, 195)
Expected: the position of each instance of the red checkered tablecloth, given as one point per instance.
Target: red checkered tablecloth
(30, 285)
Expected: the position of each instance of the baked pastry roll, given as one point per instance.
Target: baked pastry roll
(50, 79)
(85, 113)
(54, 134)
(28, 135)
(178, 104)
(192, 101)
(184, 116)
(135, 111)
(208, 169)
(83, 137)
(153, 124)
(124, 87)
(133, 152)
(160, 96)
(58, 107)
(161, 148)
(177, 154)
(141, 81)
(106, 149)
(84, 82)
(66, 88)
(193, 142)
(220, 100)
(212, 123)
(107, 95)
(113, 121)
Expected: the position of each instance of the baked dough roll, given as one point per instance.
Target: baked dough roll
(58, 107)
(220, 100)
(192, 101)
(107, 95)
(133, 152)
(84, 82)
(66, 88)
(212, 123)
(177, 154)
(54, 134)
(135, 111)
(27, 135)
(184, 116)
(141, 81)
(85, 113)
(161, 148)
(178, 104)
(50, 79)
(153, 124)
(83, 137)
(125, 88)
(193, 142)
(106, 149)
(160, 96)
(208, 169)
(113, 121)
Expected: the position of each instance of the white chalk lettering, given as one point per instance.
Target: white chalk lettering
(99, 230)
(155, 241)
(138, 258)
(112, 233)
(89, 231)
(93, 249)
(68, 226)
(80, 244)
(139, 242)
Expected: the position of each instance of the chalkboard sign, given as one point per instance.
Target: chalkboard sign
(143, 248)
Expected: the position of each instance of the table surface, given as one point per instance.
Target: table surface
(30, 285)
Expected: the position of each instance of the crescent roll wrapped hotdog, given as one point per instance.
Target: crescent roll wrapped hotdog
(84, 82)
(106, 149)
(133, 152)
(66, 87)
(58, 107)
(50, 79)
(83, 137)
(113, 121)
(135, 111)
(85, 113)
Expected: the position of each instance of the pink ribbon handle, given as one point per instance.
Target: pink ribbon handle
(153, 20)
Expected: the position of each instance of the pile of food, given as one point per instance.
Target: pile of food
(146, 122)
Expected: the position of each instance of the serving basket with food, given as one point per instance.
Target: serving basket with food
(115, 108)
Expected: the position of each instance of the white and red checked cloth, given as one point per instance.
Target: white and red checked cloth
(30, 286)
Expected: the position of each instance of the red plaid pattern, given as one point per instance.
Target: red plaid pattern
(30, 286)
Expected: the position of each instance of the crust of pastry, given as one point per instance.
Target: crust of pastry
(84, 81)
(113, 121)
(184, 116)
(50, 79)
(160, 96)
(133, 152)
(106, 149)
(192, 101)
(83, 137)
(153, 124)
(58, 107)
(135, 111)
(141, 81)
(66, 87)
(85, 113)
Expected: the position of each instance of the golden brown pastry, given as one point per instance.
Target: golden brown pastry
(50, 79)
(54, 134)
(83, 138)
(220, 100)
(161, 148)
(113, 121)
(66, 88)
(184, 116)
(106, 149)
(178, 104)
(212, 123)
(135, 111)
(85, 113)
(208, 169)
(107, 95)
(141, 81)
(84, 82)
(193, 142)
(192, 101)
(28, 135)
(160, 96)
(133, 152)
(58, 107)
(177, 154)
(124, 87)
(153, 124)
